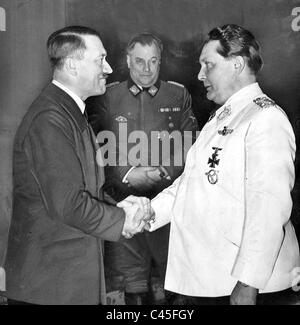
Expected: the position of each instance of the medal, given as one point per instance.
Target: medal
(212, 176)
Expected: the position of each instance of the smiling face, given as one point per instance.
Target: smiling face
(144, 63)
(217, 73)
(93, 69)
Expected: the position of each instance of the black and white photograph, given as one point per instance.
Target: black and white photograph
(149, 154)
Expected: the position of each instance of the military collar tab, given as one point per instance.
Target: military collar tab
(153, 90)
(135, 89)
(224, 113)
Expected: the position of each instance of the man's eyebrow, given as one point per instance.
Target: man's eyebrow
(204, 60)
(153, 57)
(102, 54)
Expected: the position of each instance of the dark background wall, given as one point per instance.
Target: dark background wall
(181, 24)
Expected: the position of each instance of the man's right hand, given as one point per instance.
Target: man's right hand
(144, 178)
(137, 215)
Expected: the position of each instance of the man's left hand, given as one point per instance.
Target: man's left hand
(243, 295)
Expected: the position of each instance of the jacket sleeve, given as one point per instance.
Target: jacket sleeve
(269, 156)
(162, 205)
(188, 129)
(58, 172)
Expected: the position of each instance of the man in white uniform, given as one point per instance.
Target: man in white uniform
(231, 233)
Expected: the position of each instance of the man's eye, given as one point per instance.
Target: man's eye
(209, 65)
(100, 61)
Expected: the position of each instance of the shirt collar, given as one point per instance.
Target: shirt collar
(76, 98)
(239, 100)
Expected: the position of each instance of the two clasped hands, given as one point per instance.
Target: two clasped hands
(138, 215)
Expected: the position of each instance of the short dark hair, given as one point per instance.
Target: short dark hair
(236, 40)
(145, 38)
(67, 42)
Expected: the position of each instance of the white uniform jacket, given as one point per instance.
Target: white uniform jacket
(230, 208)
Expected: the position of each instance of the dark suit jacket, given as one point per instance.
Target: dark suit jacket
(60, 213)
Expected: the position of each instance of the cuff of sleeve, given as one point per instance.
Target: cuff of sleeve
(253, 277)
(161, 218)
(124, 180)
(164, 173)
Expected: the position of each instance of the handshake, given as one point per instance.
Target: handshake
(138, 215)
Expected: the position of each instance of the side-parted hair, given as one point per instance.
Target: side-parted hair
(237, 41)
(145, 39)
(67, 42)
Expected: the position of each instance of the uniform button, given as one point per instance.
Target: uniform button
(171, 125)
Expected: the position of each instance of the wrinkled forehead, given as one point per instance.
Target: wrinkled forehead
(145, 51)
(209, 51)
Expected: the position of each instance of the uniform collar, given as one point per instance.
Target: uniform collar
(135, 89)
(238, 101)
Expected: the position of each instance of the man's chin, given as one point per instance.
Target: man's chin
(208, 96)
(147, 84)
(100, 91)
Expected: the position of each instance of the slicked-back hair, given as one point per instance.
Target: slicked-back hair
(67, 42)
(145, 39)
(237, 41)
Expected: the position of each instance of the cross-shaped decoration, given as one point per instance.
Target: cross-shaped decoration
(213, 161)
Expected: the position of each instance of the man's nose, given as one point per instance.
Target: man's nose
(201, 75)
(107, 68)
(147, 67)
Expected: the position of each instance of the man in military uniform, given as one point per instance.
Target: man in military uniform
(160, 112)
(231, 234)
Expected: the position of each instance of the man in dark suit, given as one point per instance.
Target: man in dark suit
(60, 212)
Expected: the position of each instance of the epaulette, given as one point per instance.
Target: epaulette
(264, 102)
(175, 83)
(112, 84)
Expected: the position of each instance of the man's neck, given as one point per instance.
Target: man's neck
(243, 82)
(142, 86)
(70, 92)
(68, 84)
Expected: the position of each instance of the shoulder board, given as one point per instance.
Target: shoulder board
(175, 83)
(264, 102)
(112, 84)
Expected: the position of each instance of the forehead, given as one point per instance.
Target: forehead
(209, 51)
(144, 51)
(94, 44)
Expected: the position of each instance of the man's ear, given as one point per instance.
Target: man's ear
(239, 63)
(71, 66)
(128, 61)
